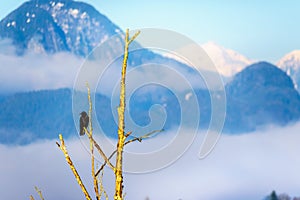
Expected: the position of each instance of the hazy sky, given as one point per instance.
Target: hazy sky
(262, 30)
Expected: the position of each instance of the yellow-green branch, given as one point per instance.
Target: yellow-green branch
(121, 123)
(90, 134)
(69, 161)
(102, 190)
(101, 152)
(39, 192)
(127, 142)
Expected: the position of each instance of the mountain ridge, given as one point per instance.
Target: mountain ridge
(290, 63)
(227, 61)
(254, 99)
(66, 25)
(258, 95)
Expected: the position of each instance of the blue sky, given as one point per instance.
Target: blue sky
(261, 30)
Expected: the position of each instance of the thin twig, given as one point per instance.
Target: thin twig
(128, 142)
(90, 107)
(69, 161)
(95, 181)
(31, 197)
(128, 134)
(143, 137)
(101, 152)
(39, 192)
(105, 162)
(102, 190)
(133, 37)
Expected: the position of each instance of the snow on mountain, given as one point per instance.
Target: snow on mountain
(290, 63)
(227, 61)
(259, 94)
(57, 25)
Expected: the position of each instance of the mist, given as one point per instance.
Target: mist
(39, 71)
(36, 71)
(245, 166)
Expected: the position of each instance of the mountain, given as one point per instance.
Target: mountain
(259, 95)
(53, 26)
(30, 116)
(26, 117)
(290, 63)
(227, 61)
(57, 25)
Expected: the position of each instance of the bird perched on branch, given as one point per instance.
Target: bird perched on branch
(83, 121)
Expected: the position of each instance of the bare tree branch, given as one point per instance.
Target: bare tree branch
(128, 142)
(39, 192)
(133, 37)
(69, 161)
(143, 137)
(128, 134)
(102, 190)
(95, 181)
(101, 152)
(121, 121)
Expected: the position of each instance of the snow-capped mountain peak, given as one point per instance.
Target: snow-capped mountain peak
(290, 63)
(57, 25)
(227, 61)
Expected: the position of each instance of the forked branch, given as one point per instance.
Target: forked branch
(106, 159)
(128, 142)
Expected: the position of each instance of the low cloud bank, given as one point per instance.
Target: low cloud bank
(247, 166)
(39, 71)
(34, 71)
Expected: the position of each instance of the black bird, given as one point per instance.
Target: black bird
(84, 122)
